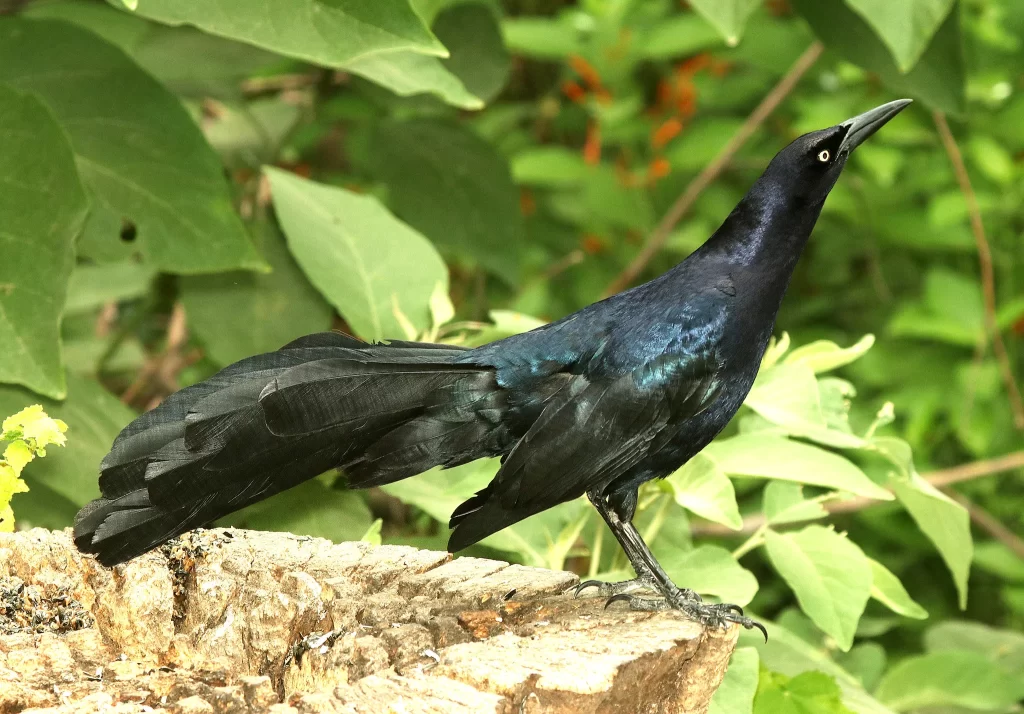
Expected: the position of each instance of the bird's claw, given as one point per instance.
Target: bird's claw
(711, 615)
(618, 588)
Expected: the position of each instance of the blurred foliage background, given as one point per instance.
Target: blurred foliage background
(181, 188)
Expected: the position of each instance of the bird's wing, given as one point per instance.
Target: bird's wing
(594, 431)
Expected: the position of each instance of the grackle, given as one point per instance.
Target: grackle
(624, 391)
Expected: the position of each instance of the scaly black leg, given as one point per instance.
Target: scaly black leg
(651, 576)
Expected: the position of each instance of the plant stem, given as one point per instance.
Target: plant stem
(755, 540)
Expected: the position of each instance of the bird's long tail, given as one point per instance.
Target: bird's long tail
(269, 422)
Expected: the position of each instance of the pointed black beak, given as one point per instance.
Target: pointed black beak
(860, 127)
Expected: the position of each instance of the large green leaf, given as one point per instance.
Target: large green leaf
(938, 78)
(42, 206)
(327, 32)
(184, 59)
(826, 355)
(478, 56)
(236, 315)
(382, 40)
(700, 486)
(94, 417)
(830, 576)
(948, 678)
(1003, 647)
(945, 522)
(735, 695)
(409, 73)
(766, 456)
(785, 503)
(360, 257)
(787, 653)
(888, 590)
(805, 693)
(447, 182)
(728, 16)
(905, 27)
(708, 569)
(143, 162)
(93, 286)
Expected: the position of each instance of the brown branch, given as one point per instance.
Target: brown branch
(940, 479)
(988, 282)
(656, 240)
(989, 523)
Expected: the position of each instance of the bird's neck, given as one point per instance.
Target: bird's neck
(767, 231)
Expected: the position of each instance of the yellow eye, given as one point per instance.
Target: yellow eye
(823, 157)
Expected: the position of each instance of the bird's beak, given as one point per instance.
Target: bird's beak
(860, 127)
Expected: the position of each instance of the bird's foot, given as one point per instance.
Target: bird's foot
(689, 603)
(622, 587)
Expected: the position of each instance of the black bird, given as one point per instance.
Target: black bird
(624, 391)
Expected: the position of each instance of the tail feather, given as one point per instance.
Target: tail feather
(267, 423)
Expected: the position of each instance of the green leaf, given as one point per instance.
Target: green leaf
(728, 16)
(409, 73)
(93, 286)
(785, 503)
(359, 256)
(905, 27)
(888, 590)
(806, 693)
(143, 162)
(94, 417)
(447, 182)
(866, 662)
(938, 77)
(946, 524)
(1003, 647)
(541, 37)
(700, 486)
(825, 355)
(326, 32)
(42, 207)
(735, 695)
(478, 58)
(708, 569)
(830, 576)
(787, 653)
(766, 456)
(236, 315)
(679, 35)
(948, 679)
(185, 60)
(312, 509)
(549, 166)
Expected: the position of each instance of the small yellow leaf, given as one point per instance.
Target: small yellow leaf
(17, 454)
(6, 520)
(10, 484)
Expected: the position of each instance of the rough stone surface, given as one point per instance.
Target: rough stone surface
(243, 622)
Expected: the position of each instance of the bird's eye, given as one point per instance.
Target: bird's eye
(823, 156)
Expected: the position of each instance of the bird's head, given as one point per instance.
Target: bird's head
(808, 168)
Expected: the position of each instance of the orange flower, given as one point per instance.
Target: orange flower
(666, 133)
(574, 91)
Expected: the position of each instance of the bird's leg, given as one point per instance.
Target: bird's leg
(650, 575)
